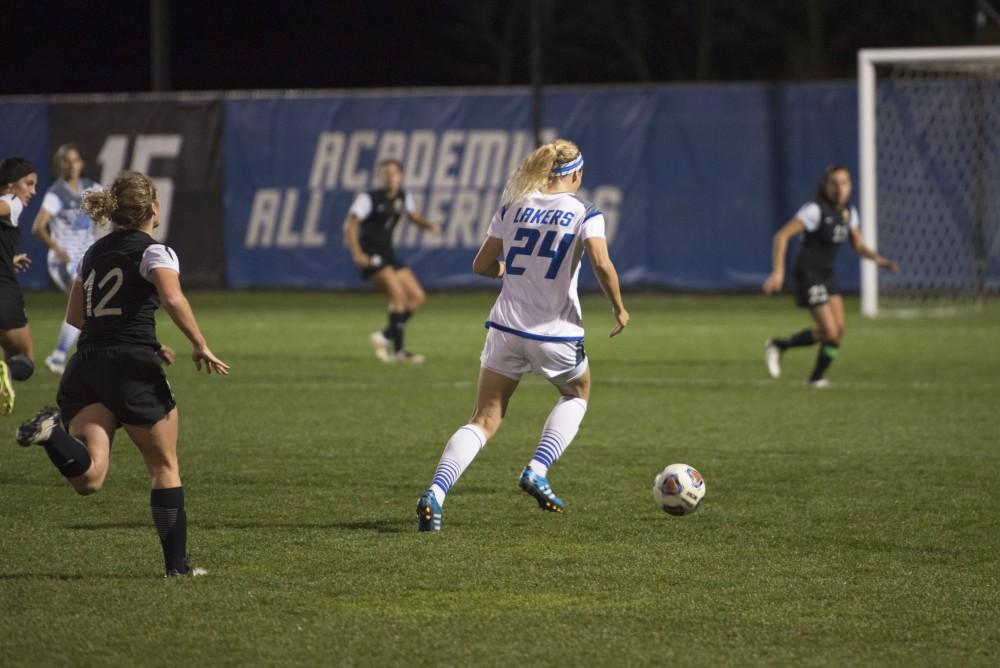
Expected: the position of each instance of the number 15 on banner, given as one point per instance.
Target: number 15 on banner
(147, 148)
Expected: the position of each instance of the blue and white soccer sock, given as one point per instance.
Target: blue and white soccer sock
(461, 449)
(559, 430)
(68, 334)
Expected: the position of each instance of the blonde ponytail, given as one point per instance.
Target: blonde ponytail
(127, 203)
(99, 205)
(535, 171)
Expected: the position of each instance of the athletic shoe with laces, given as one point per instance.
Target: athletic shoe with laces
(428, 512)
(406, 357)
(381, 346)
(818, 384)
(772, 358)
(39, 428)
(6, 390)
(537, 486)
(55, 364)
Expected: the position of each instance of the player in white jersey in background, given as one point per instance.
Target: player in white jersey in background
(541, 231)
(68, 232)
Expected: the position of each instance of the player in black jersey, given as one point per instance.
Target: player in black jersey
(114, 379)
(827, 222)
(18, 179)
(368, 235)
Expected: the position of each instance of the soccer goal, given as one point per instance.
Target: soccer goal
(930, 174)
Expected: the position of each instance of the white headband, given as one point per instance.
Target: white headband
(569, 167)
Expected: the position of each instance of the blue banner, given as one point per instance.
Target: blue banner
(24, 133)
(693, 180)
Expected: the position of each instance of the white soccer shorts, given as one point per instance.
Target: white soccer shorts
(560, 362)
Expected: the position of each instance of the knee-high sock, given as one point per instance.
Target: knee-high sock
(68, 454)
(559, 430)
(461, 449)
(394, 330)
(827, 353)
(803, 338)
(21, 367)
(68, 335)
(167, 507)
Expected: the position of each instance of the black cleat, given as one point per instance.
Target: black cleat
(39, 428)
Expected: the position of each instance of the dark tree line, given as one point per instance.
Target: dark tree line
(227, 44)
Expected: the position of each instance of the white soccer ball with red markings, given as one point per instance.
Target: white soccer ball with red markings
(679, 489)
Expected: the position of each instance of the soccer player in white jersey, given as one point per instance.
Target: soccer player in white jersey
(68, 232)
(541, 232)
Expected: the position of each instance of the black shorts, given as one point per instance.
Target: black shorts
(388, 259)
(12, 315)
(814, 288)
(128, 380)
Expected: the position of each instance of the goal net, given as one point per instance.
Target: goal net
(930, 175)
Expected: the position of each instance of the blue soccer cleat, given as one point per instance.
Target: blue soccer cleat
(428, 512)
(538, 487)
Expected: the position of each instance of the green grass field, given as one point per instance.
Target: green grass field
(858, 525)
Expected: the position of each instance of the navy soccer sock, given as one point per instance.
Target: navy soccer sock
(167, 507)
(394, 331)
(68, 454)
(827, 353)
(803, 338)
(21, 367)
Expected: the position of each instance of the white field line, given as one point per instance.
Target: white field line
(919, 386)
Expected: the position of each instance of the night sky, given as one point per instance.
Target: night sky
(96, 46)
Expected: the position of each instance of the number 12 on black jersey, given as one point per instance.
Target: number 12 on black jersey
(114, 276)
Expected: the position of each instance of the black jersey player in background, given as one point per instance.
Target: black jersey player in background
(18, 179)
(827, 222)
(368, 235)
(115, 378)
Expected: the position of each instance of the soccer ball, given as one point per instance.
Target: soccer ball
(678, 489)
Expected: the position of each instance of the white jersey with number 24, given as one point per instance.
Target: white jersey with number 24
(543, 237)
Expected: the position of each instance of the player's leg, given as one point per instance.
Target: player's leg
(503, 362)
(158, 445)
(80, 453)
(19, 351)
(565, 365)
(829, 336)
(775, 347)
(16, 365)
(61, 274)
(415, 299)
(493, 393)
(387, 282)
(837, 304)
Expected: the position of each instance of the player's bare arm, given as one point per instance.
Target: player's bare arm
(487, 262)
(792, 228)
(607, 276)
(864, 251)
(351, 242)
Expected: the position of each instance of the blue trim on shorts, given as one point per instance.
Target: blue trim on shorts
(528, 335)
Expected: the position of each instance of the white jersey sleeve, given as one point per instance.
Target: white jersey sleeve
(16, 207)
(158, 256)
(593, 227)
(51, 205)
(494, 229)
(809, 214)
(855, 222)
(362, 206)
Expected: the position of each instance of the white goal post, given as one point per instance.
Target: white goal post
(936, 74)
